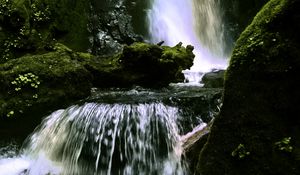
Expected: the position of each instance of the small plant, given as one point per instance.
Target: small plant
(284, 145)
(10, 114)
(240, 152)
(5, 7)
(26, 80)
(29, 27)
(40, 14)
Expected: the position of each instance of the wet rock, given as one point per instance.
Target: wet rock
(237, 15)
(138, 10)
(214, 79)
(35, 26)
(193, 142)
(110, 27)
(147, 65)
(257, 130)
(31, 26)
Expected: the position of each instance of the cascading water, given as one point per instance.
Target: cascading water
(127, 139)
(195, 22)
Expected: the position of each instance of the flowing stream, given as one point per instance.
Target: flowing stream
(114, 132)
(194, 22)
(127, 139)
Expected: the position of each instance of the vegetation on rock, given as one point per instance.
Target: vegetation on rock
(34, 85)
(261, 98)
(240, 152)
(34, 26)
(142, 64)
(237, 15)
(57, 76)
(22, 28)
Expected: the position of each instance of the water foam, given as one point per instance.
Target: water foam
(126, 139)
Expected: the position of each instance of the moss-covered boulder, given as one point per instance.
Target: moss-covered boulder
(153, 63)
(34, 85)
(142, 64)
(257, 130)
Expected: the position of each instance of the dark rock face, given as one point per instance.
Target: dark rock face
(110, 26)
(32, 26)
(100, 27)
(137, 9)
(214, 79)
(237, 15)
(257, 130)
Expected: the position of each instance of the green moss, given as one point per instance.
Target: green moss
(34, 26)
(46, 80)
(153, 63)
(260, 97)
(240, 152)
(141, 47)
(69, 24)
(284, 145)
(23, 25)
(85, 56)
(257, 37)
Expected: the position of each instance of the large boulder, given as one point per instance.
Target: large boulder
(142, 64)
(257, 130)
(34, 85)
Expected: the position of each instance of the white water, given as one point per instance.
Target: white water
(105, 139)
(194, 22)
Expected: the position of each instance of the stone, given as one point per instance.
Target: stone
(214, 79)
(257, 130)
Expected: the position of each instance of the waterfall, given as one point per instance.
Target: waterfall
(125, 139)
(194, 22)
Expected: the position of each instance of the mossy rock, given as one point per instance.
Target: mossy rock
(69, 22)
(35, 85)
(154, 63)
(143, 64)
(33, 26)
(261, 99)
(237, 15)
